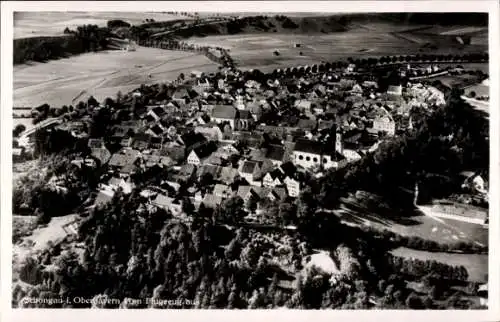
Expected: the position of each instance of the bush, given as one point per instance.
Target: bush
(117, 23)
(20, 128)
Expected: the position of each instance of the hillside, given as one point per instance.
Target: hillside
(254, 24)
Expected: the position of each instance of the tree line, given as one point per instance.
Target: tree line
(86, 38)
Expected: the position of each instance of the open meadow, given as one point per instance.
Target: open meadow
(415, 224)
(103, 74)
(36, 24)
(476, 265)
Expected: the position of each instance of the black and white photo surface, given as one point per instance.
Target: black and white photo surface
(185, 159)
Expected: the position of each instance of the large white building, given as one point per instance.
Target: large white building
(316, 155)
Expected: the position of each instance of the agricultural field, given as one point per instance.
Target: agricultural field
(257, 50)
(476, 265)
(103, 74)
(35, 24)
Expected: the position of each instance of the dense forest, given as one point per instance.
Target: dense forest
(86, 38)
(134, 253)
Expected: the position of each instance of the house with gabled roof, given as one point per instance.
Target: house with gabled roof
(199, 153)
(276, 194)
(225, 113)
(156, 112)
(151, 160)
(124, 161)
(249, 170)
(213, 170)
(275, 154)
(292, 186)
(210, 131)
(156, 130)
(273, 178)
(357, 90)
(140, 141)
(168, 203)
(192, 140)
(247, 192)
(384, 122)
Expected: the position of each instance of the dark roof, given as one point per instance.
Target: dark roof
(249, 166)
(275, 152)
(326, 124)
(142, 137)
(279, 193)
(95, 143)
(224, 112)
(309, 146)
(214, 170)
(192, 139)
(156, 140)
(288, 168)
(141, 141)
(204, 150)
(120, 131)
(277, 174)
(150, 118)
(156, 129)
(244, 115)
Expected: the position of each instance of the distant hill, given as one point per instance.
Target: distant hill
(322, 23)
(258, 24)
(423, 18)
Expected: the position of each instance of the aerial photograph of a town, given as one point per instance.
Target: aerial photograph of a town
(213, 160)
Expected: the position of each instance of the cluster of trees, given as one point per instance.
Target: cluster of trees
(417, 269)
(419, 243)
(86, 38)
(20, 128)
